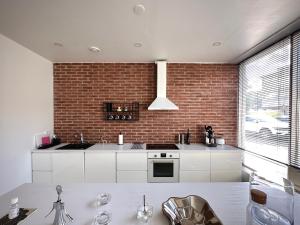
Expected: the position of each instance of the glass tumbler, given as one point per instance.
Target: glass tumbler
(103, 199)
(144, 213)
(102, 218)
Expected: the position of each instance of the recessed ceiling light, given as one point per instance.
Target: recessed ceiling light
(58, 44)
(139, 9)
(94, 49)
(217, 44)
(138, 45)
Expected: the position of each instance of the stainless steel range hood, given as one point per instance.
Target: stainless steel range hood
(162, 102)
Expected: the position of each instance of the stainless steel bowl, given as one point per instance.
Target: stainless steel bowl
(190, 210)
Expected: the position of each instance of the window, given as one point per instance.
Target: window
(264, 102)
(295, 102)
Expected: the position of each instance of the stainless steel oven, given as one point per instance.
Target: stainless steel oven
(163, 167)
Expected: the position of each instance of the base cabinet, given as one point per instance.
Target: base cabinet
(42, 168)
(100, 167)
(211, 166)
(41, 161)
(132, 176)
(225, 176)
(195, 161)
(195, 166)
(226, 166)
(194, 176)
(42, 177)
(131, 167)
(132, 161)
(68, 167)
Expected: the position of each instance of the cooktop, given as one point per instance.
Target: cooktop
(161, 147)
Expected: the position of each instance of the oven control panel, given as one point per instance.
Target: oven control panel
(163, 155)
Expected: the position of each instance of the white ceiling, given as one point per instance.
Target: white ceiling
(176, 30)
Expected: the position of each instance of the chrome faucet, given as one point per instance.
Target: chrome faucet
(81, 139)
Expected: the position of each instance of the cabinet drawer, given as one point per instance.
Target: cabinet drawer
(132, 161)
(100, 167)
(41, 161)
(42, 177)
(195, 161)
(132, 176)
(194, 176)
(68, 167)
(226, 161)
(226, 176)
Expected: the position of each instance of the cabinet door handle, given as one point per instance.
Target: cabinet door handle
(164, 161)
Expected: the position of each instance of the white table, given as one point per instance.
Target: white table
(229, 201)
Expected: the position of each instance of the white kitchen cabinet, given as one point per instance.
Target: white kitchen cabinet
(190, 161)
(132, 176)
(226, 160)
(127, 167)
(194, 176)
(41, 161)
(41, 168)
(132, 167)
(100, 167)
(214, 166)
(132, 161)
(226, 176)
(42, 177)
(68, 167)
(226, 166)
(195, 166)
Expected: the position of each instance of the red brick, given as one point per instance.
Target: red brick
(204, 93)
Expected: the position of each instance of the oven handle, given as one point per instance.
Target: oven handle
(163, 161)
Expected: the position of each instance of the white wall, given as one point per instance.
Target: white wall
(26, 108)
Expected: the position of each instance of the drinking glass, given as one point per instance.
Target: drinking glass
(103, 199)
(144, 213)
(102, 218)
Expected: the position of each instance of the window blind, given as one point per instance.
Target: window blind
(264, 102)
(294, 156)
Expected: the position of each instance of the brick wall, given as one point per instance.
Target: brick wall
(204, 93)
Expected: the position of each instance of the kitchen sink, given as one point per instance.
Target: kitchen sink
(75, 146)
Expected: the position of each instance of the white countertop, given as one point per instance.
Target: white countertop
(127, 147)
(228, 200)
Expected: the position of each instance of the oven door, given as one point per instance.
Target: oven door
(163, 170)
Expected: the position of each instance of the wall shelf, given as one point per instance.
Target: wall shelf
(121, 111)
